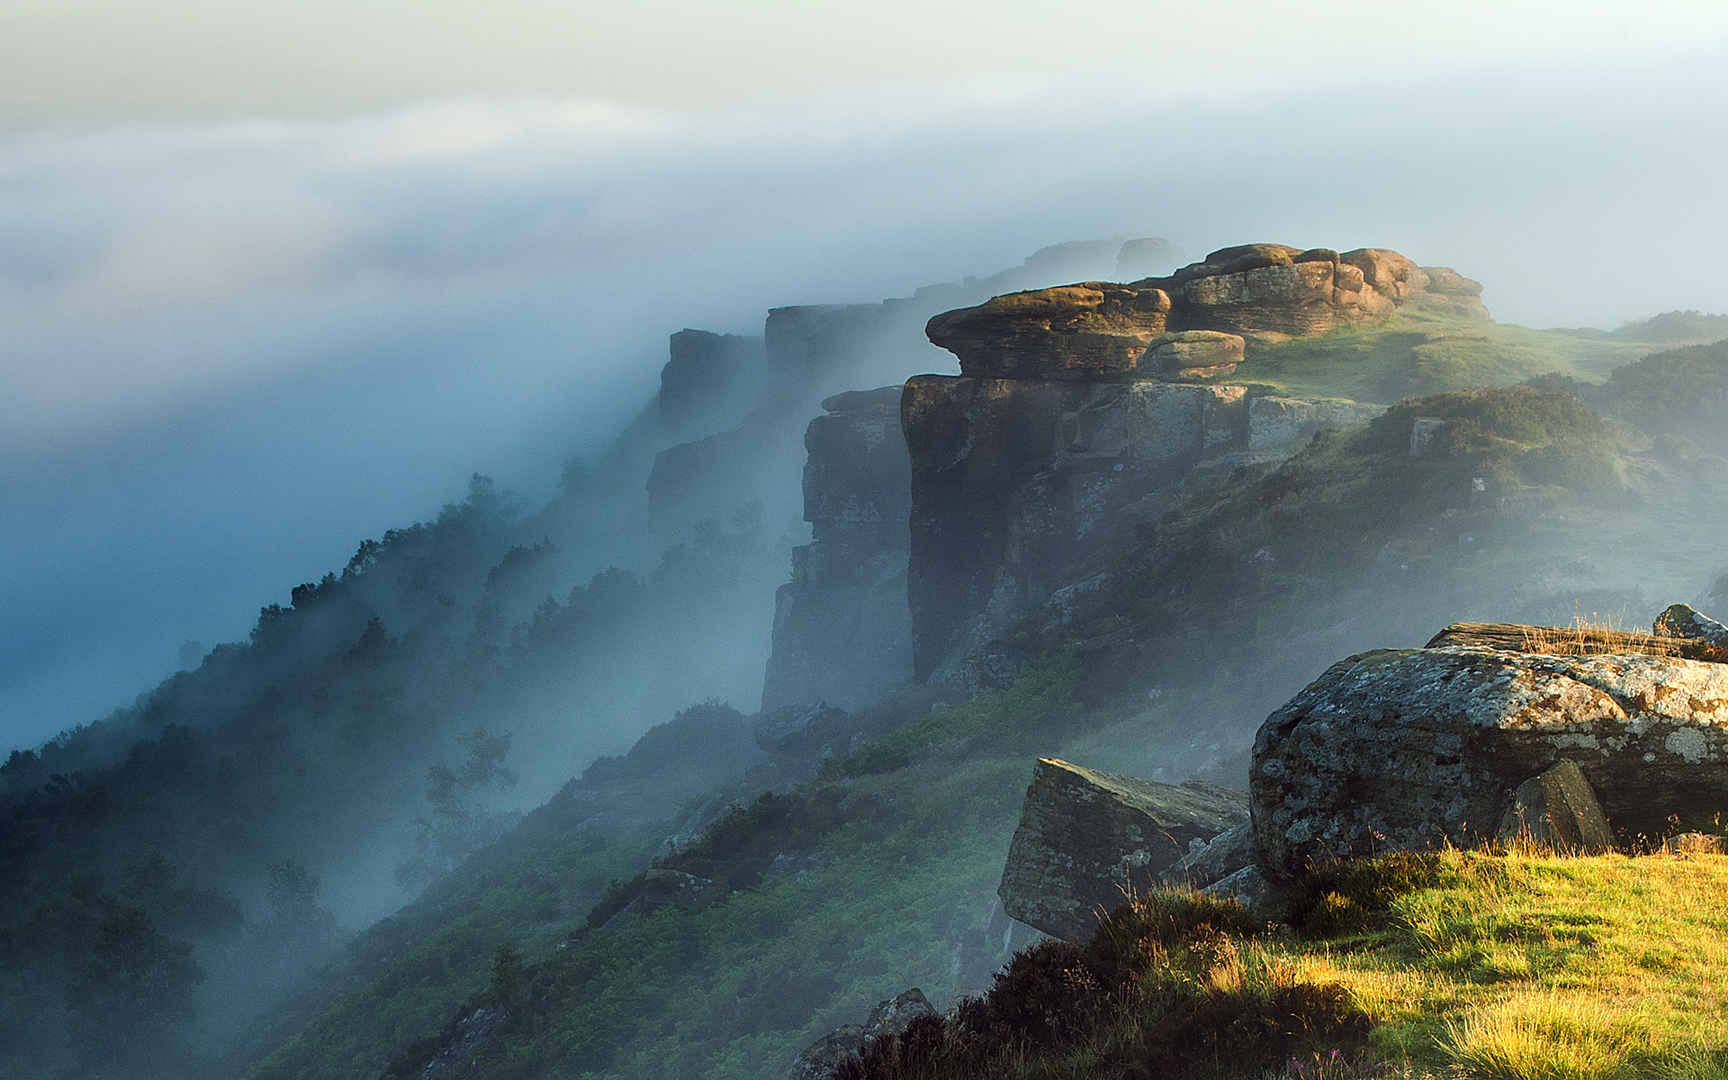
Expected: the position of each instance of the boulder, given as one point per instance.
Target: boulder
(1558, 810)
(892, 1017)
(1192, 354)
(1248, 887)
(1225, 854)
(1393, 275)
(823, 1059)
(1681, 621)
(1087, 839)
(1302, 299)
(1413, 748)
(804, 731)
(1091, 330)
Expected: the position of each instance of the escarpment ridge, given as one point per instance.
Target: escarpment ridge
(1100, 329)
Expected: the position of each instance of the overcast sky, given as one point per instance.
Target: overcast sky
(101, 62)
(276, 278)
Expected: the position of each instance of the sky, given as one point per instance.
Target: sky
(275, 278)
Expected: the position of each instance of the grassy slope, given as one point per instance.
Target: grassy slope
(725, 991)
(1511, 966)
(1418, 353)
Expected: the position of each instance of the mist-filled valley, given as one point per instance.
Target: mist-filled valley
(588, 583)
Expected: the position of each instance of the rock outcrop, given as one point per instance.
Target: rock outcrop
(708, 374)
(823, 1059)
(1014, 481)
(842, 629)
(1411, 748)
(1558, 810)
(1088, 838)
(1081, 412)
(1099, 329)
(1682, 624)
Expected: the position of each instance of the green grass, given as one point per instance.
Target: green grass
(735, 989)
(1519, 966)
(1417, 354)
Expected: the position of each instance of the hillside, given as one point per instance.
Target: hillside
(498, 801)
(1509, 964)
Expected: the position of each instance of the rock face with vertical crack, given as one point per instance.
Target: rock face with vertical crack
(1086, 838)
(1414, 748)
(1081, 409)
(842, 632)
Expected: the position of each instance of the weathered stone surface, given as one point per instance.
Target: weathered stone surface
(842, 629)
(474, 1034)
(804, 731)
(1192, 354)
(1411, 748)
(1681, 621)
(708, 374)
(823, 1059)
(892, 1017)
(1302, 299)
(1280, 421)
(1425, 433)
(1097, 329)
(1558, 810)
(1568, 641)
(1248, 887)
(1225, 854)
(658, 888)
(1015, 481)
(1086, 331)
(1392, 275)
(1087, 837)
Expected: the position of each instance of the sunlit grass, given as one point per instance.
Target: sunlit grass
(1526, 965)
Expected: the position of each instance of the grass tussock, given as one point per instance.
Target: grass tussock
(1510, 963)
(1592, 635)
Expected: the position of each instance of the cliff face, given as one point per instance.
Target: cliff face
(742, 403)
(1083, 409)
(842, 632)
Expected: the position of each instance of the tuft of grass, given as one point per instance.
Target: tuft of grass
(1547, 1035)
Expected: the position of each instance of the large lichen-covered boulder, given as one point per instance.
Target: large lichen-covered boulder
(1087, 331)
(1413, 748)
(1086, 838)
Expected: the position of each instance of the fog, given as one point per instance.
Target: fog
(232, 352)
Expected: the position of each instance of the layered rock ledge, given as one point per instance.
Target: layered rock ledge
(1099, 329)
(1088, 838)
(1413, 748)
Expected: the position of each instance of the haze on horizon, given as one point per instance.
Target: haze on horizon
(277, 279)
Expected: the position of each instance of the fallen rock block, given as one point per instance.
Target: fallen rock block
(1228, 852)
(1087, 839)
(823, 1059)
(1558, 810)
(1415, 748)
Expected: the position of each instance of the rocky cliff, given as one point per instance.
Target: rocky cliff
(842, 631)
(1082, 410)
